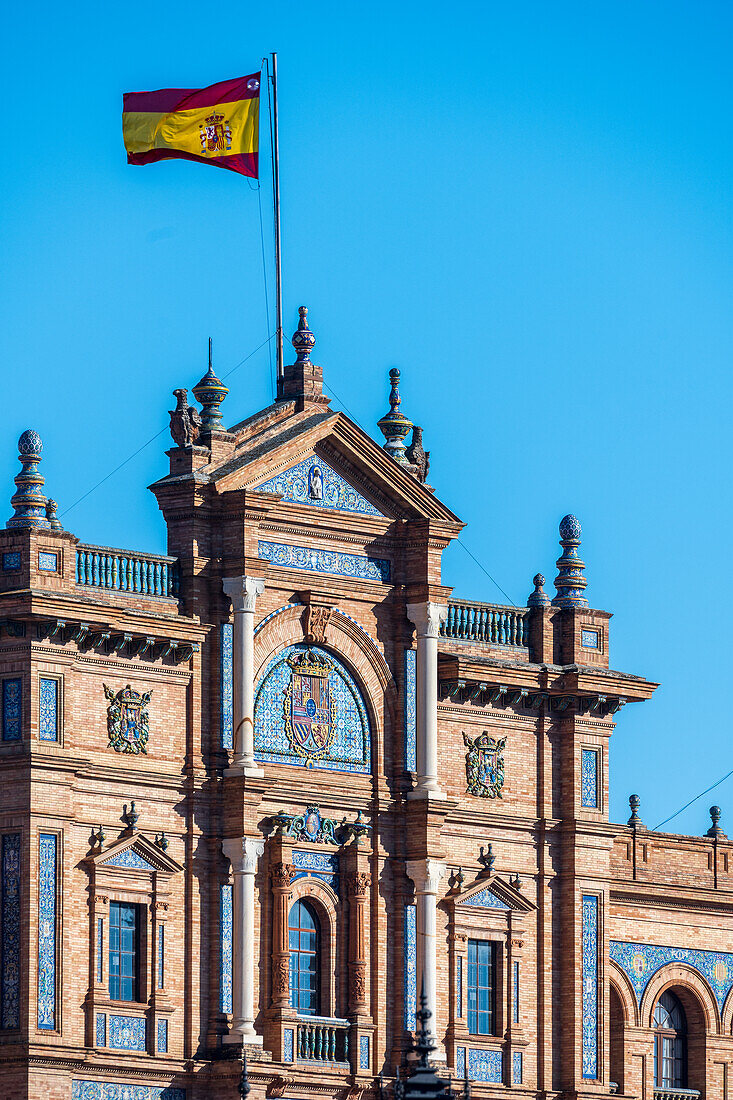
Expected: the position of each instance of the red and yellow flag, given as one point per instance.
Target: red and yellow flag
(217, 125)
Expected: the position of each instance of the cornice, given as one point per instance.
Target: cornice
(660, 897)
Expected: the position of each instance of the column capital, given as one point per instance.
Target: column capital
(427, 617)
(243, 591)
(426, 874)
(243, 853)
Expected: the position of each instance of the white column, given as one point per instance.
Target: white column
(426, 874)
(243, 855)
(243, 592)
(427, 617)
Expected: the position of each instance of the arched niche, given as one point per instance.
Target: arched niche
(310, 712)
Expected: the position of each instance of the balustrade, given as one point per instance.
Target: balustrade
(485, 622)
(323, 1040)
(125, 571)
(661, 1093)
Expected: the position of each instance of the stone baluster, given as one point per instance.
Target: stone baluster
(243, 592)
(243, 854)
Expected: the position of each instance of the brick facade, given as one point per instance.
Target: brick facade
(592, 921)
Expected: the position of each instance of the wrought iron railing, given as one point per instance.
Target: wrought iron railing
(486, 622)
(126, 571)
(322, 1039)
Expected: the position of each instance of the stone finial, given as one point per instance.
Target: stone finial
(570, 581)
(185, 421)
(130, 817)
(28, 500)
(53, 520)
(715, 831)
(394, 426)
(417, 456)
(487, 859)
(538, 598)
(635, 821)
(303, 339)
(210, 392)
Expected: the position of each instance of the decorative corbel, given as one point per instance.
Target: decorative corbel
(78, 633)
(95, 639)
(168, 649)
(142, 645)
(117, 642)
(476, 692)
(51, 630)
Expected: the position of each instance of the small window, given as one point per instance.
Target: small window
(670, 1043)
(124, 951)
(481, 987)
(305, 959)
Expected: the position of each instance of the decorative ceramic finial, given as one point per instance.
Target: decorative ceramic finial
(538, 598)
(303, 339)
(635, 821)
(393, 425)
(28, 501)
(715, 830)
(51, 516)
(162, 842)
(570, 580)
(210, 392)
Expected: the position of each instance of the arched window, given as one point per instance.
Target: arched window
(305, 959)
(670, 1043)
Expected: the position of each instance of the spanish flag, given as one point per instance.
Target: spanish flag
(217, 125)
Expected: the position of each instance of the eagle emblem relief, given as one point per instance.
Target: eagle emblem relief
(484, 765)
(128, 726)
(309, 707)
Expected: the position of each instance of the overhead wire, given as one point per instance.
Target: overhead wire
(156, 436)
(697, 796)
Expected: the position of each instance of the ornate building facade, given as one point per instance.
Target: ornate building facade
(259, 790)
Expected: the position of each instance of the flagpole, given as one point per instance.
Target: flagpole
(278, 261)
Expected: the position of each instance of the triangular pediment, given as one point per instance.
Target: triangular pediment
(315, 482)
(360, 477)
(136, 854)
(494, 893)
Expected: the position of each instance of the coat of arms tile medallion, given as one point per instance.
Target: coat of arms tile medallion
(309, 707)
(484, 765)
(128, 725)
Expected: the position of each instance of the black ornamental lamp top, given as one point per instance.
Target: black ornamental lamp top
(424, 1083)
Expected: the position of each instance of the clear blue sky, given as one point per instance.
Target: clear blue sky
(526, 207)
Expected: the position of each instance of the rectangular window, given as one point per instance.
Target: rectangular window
(12, 709)
(124, 951)
(481, 987)
(48, 708)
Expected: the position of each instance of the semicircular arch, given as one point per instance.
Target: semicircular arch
(692, 989)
